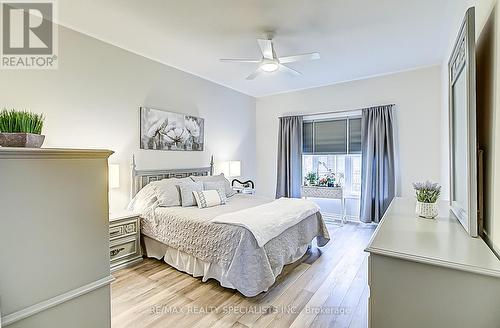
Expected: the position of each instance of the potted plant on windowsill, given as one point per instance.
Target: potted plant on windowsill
(311, 179)
(21, 129)
(427, 195)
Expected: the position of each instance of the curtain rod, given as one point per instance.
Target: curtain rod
(333, 112)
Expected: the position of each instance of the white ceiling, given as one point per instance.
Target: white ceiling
(356, 38)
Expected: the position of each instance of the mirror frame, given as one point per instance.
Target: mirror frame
(463, 61)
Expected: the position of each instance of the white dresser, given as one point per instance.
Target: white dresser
(430, 273)
(54, 244)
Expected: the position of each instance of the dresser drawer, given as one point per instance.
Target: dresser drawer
(122, 229)
(123, 248)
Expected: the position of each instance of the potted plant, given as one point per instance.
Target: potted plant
(427, 195)
(21, 129)
(331, 180)
(311, 177)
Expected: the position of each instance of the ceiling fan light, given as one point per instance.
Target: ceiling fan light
(269, 67)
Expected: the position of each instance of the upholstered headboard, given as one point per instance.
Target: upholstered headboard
(141, 178)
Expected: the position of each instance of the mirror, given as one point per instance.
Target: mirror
(462, 120)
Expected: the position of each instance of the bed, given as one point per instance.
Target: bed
(191, 240)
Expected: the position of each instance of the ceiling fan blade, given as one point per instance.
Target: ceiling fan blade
(290, 70)
(254, 74)
(240, 60)
(266, 47)
(291, 59)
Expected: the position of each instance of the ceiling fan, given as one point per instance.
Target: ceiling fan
(270, 62)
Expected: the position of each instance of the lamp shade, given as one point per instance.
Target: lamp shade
(234, 168)
(230, 168)
(114, 176)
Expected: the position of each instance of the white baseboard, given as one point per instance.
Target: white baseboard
(54, 301)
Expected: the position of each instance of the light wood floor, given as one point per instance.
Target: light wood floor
(326, 288)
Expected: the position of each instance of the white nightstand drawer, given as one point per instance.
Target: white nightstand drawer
(124, 240)
(123, 228)
(123, 248)
(115, 231)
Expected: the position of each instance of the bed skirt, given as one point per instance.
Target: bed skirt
(197, 268)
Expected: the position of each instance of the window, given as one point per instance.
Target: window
(334, 146)
(347, 170)
(333, 136)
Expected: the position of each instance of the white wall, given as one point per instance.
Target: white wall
(93, 99)
(416, 93)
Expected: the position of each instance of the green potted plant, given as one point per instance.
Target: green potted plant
(21, 129)
(311, 178)
(427, 195)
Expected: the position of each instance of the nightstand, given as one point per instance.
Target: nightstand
(124, 239)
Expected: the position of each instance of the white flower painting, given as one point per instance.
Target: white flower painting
(170, 131)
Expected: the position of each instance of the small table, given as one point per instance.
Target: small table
(124, 239)
(244, 190)
(326, 192)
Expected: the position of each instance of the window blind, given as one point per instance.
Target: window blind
(354, 135)
(307, 143)
(335, 136)
(330, 137)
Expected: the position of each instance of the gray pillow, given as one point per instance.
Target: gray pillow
(216, 178)
(186, 190)
(216, 185)
(167, 192)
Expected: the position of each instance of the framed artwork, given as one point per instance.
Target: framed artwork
(161, 130)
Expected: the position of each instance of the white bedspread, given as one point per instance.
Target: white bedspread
(230, 250)
(269, 220)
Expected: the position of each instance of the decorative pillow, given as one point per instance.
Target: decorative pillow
(207, 198)
(186, 190)
(217, 185)
(216, 178)
(168, 193)
(145, 199)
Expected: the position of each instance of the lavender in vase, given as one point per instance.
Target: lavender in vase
(427, 195)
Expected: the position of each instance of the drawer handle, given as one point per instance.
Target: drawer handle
(115, 232)
(130, 228)
(115, 251)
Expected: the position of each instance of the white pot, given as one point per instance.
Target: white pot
(426, 210)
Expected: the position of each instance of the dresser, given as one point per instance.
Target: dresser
(54, 244)
(430, 273)
(124, 239)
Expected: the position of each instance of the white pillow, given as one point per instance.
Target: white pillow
(207, 198)
(144, 200)
(216, 178)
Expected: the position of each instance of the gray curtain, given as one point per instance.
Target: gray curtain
(378, 172)
(289, 157)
